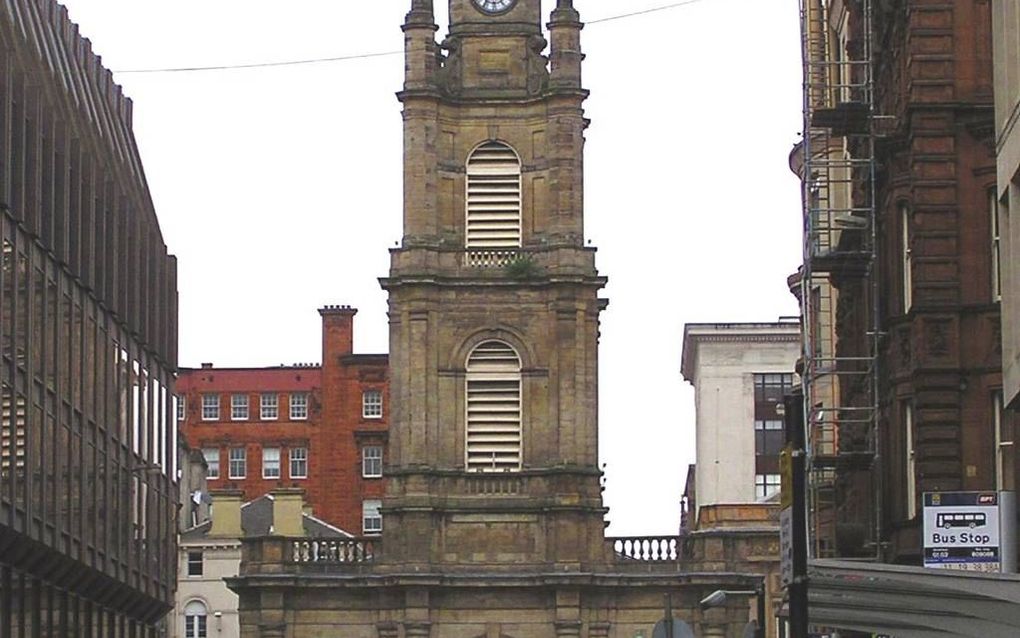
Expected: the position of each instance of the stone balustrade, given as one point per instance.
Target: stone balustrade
(646, 548)
(490, 258)
(279, 554)
(561, 260)
(334, 550)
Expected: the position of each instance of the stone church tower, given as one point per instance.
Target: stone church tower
(494, 302)
(493, 522)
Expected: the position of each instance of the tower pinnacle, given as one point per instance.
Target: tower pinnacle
(421, 13)
(420, 45)
(565, 53)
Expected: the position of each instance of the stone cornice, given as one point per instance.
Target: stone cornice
(749, 338)
(659, 575)
(207, 543)
(697, 333)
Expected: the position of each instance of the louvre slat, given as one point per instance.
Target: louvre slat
(493, 408)
(493, 197)
(490, 437)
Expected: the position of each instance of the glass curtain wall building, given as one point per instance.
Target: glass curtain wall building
(88, 308)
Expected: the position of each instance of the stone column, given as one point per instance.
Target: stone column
(420, 126)
(565, 54)
(566, 126)
(417, 630)
(419, 45)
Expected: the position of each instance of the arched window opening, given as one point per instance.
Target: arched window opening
(493, 398)
(493, 198)
(195, 620)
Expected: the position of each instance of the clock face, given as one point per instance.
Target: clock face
(492, 7)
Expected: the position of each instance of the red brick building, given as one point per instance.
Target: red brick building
(322, 428)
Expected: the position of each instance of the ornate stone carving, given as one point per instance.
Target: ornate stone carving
(538, 65)
(450, 77)
(937, 338)
(904, 343)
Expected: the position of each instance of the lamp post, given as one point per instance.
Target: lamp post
(718, 599)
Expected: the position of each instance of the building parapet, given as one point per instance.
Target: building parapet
(295, 555)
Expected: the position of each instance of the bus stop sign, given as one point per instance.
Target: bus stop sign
(961, 531)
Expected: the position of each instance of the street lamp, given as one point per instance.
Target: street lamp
(718, 599)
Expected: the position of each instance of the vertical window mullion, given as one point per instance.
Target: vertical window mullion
(906, 264)
(993, 206)
(911, 459)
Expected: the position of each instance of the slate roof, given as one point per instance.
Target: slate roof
(257, 518)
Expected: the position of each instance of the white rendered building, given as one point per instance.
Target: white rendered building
(740, 372)
(211, 551)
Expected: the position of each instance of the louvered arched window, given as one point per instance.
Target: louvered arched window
(493, 197)
(493, 397)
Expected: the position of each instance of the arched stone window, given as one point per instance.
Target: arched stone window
(195, 620)
(493, 198)
(493, 398)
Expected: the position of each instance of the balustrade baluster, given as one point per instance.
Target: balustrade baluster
(352, 550)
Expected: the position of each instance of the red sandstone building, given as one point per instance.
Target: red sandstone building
(321, 428)
(899, 197)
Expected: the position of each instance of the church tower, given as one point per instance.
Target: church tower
(493, 299)
(493, 521)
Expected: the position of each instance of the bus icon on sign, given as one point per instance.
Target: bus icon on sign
(948, 520)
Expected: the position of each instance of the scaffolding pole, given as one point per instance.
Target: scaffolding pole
(838, 287)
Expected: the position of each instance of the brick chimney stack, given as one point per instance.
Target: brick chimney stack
(337, 333)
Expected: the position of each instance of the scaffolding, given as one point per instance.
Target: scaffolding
(838, 281)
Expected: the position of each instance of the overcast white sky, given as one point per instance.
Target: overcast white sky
(279, 189)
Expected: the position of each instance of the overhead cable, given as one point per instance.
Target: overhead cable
(256, 65)
(644, 12)
(361, 56)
